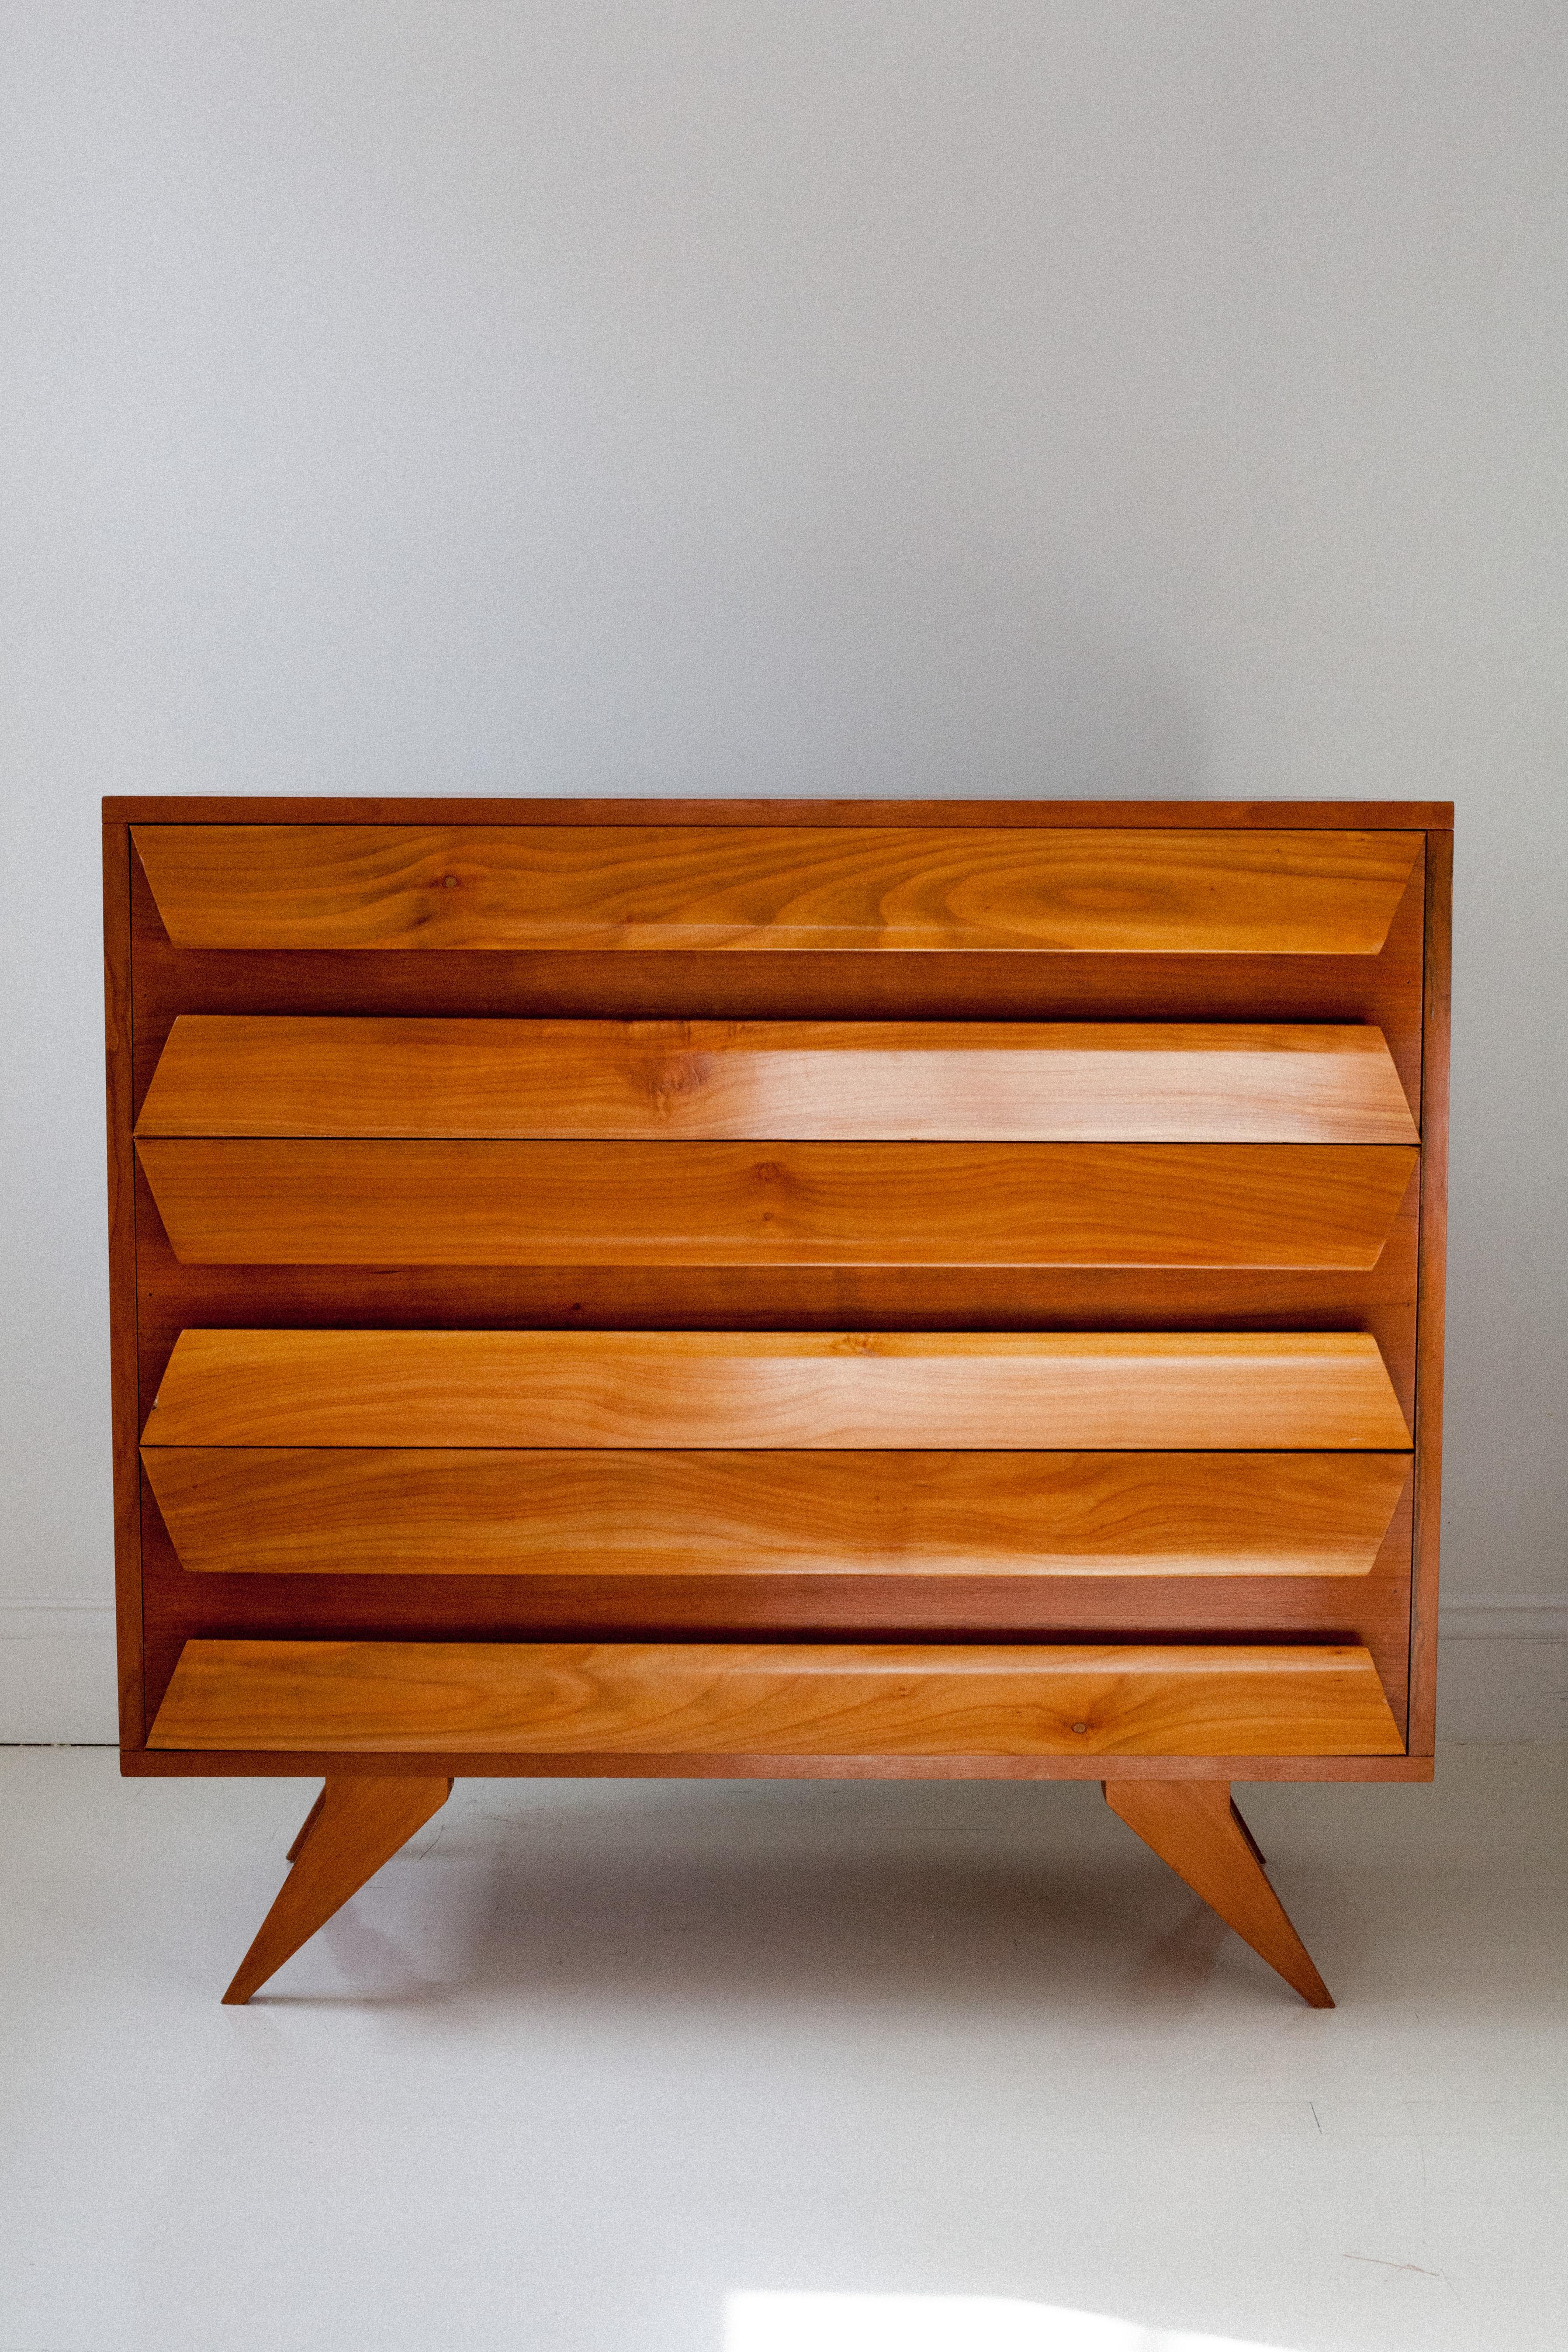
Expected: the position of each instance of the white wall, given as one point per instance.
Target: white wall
(955, 396)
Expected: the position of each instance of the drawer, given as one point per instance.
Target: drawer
(502, 1511)
(656, 1455)
(408, 1142)
(801, 1081)
(314, 1203)
(1309, 1391)
(798, 888)
(702, 1699)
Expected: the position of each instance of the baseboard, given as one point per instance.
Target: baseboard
(1502, 1670)
(57, 1676)
(1533, 1619)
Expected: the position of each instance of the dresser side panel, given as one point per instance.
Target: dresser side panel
(1430, 1300)
(125, 1418)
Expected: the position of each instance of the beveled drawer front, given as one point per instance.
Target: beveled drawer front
(971, 1392)
(794, 888)
(704, 1698)
(440, 1511)
(316, 1202)
(807, 1081)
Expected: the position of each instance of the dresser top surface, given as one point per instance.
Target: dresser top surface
(1209, 816)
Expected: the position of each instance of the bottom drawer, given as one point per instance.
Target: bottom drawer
(673, 1699)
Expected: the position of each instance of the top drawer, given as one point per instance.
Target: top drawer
(797, 889)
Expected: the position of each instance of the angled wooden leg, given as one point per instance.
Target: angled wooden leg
(359, 1823)
(307, 1825)
(1194, 1826)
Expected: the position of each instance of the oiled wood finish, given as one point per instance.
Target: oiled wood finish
(673, 1698)
(792, 889)
(763, 1604)
(1194, 1827)
(1380, 992)
(938, 1299)
(716, 1080)
(358, 1824)
(312, 1202)
(440, 1512)
(1143, 1391)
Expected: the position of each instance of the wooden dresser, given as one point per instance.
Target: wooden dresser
(825, 1288)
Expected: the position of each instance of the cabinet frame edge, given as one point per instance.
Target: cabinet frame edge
(1158, 816)
(125, 1418)
(1431, 1260)
(502, 1764)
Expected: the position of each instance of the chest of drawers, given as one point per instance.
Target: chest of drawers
(788, 1288)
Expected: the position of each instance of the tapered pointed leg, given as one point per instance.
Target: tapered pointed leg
(306, 1826)
(1194, 1826)
(362, 1820)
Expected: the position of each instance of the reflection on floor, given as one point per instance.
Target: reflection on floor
(623, 2067)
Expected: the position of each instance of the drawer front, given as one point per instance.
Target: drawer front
(670, 1700)
(502, 1511)
(314, 1203)
(766, 1390)
(795, 889)
(428, 1144)
(819, 1081)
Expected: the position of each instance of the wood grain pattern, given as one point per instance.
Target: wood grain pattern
(791, 888)
(175, 1298)
(312, 1202)
(1198, 1830)
(670, 1699)
(1143, 1391)
(1371, 1612)
(1383, 992)
(715, 1080)
(436, 1511)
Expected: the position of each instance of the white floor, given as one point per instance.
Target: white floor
(768, 2068)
